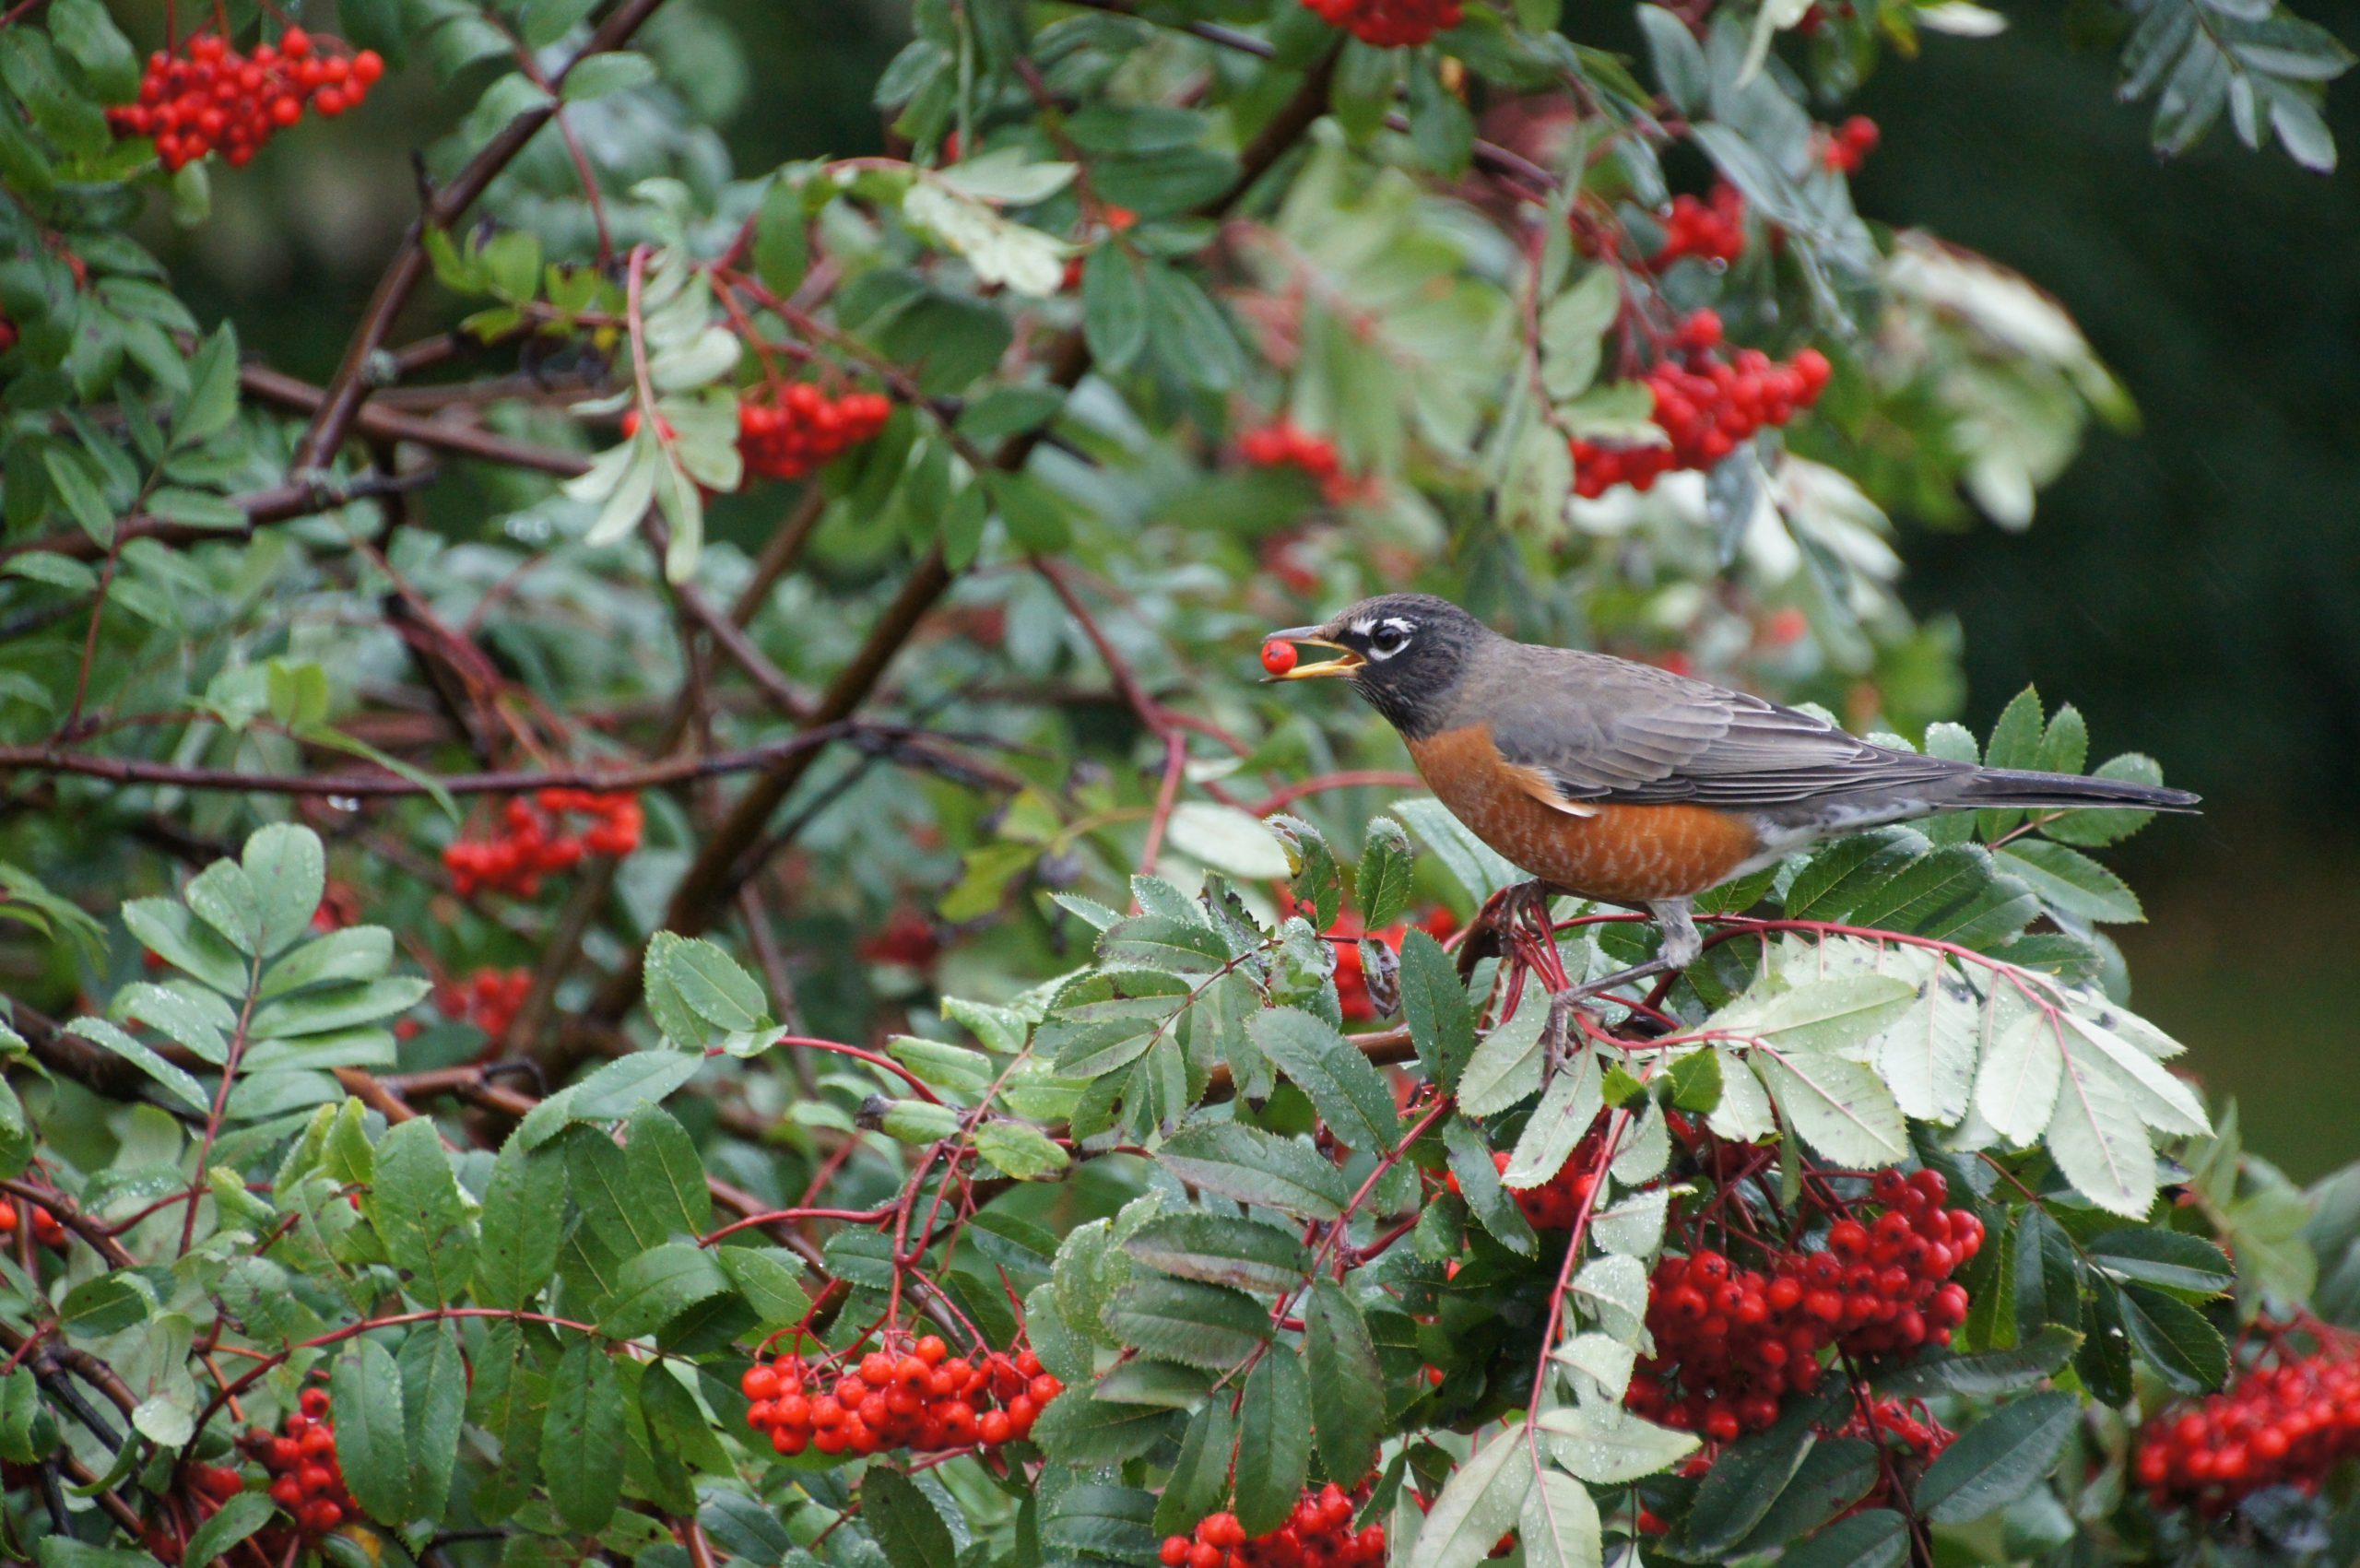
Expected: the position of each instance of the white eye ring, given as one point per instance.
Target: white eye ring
(1389, 640)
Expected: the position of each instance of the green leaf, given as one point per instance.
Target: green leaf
(106, 1304)
(716, 988)
(85, 31)
(1478, 1184)
(904, 1521)
(212, 400)
(1748, 1476)
(599, 75)
(509, 1400)
(1433, 1004)
(70, 474)
(2014, 743)
(434, 1398)
(1999, 1459)
(2175, 1340)
(1560, 1526)
(1347, 1384)
(1315, 880)
(1349, 1092)
(1255, 1167)
(1696, 1082)
(665, 1173)
(416, 1206)
(288, 871)
(1273, 1441)
(1199, 1478)
(1483, 1500)
(1228, 839)
(1078, 1429)
(1571, 328)
(1506, 1066)
(1015, 1149)
(770, 1280)
(2104, 1361)
(2174, 1260)
(1606, 1445)
(1841, 1108)
(660, 1283)
(1571, 1103)
(1876, 1538)
(1114, 307)
(518, 1252)
(1818, 1016)
(2092, 829)
(1381, 887)
(1678, 58)
(223, 896)
(628, 1083)
(357, 953)
(1188, 1321)
(372, 1432)
(181, 1087)
(1982, 1373)
(1100, 1523)
(1837, 1473)
(1222, 1249)
(238, 1519)
(582, 1438)
(2070, 883)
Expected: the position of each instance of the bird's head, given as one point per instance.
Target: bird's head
(1404, 653)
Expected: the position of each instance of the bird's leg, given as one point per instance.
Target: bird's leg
(1681, 946)
(1681, 943)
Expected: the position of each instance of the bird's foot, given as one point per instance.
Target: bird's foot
(1679, 948)
(1556, 1033)
(1525, 906)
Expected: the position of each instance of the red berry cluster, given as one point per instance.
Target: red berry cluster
(1285, 444)
(306, 1480)
(530, 843)
(46, 1229)
(1556, 1203)
(1847, 146)
(1711, 230)
(909, 1394)
(1389, 24)
(1318, 1534)
(2283, 1424)
(1732, 1341)
(1707, 403)
(805, 427)
(490, 998)
(216, 97)
(1352, 975)
(1905, 1423)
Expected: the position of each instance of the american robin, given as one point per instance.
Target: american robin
(1626, 783)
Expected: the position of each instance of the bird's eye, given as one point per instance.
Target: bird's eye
(1388, 640)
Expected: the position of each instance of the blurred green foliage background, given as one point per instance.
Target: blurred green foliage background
(2193, 587)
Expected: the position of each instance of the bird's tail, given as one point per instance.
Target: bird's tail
(2013, 787)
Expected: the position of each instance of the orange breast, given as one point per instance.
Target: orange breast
(1618, 853)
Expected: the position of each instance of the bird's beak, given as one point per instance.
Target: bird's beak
(1345, 663)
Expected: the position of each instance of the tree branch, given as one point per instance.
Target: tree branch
(351, 384)
(643, 775)
(281, 503)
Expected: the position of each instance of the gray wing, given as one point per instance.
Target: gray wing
(1606, 729)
